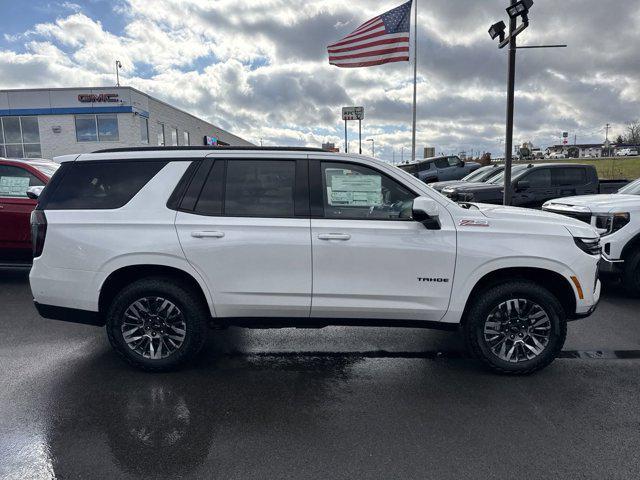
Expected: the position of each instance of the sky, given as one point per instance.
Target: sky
(259, 68)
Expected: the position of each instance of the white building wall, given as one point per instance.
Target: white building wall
(160, 112)
(58, 133)
(63, 143)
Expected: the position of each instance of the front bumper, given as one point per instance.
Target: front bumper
(596, 298)
(611, 266)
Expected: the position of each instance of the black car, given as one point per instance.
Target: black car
(534, 184)
(483, 174)
(436, 169)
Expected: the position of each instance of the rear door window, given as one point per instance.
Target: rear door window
(568, 176)
(539, 178)
(260, 188)
(100, 185)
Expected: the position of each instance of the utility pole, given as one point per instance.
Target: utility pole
(607, 127)
(516, 9)
(511, 85)
(346, 142)
(118, 67)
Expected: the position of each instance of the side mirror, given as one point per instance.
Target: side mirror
(426, 211)
(522, 185)
(34, 192)
(461, 163)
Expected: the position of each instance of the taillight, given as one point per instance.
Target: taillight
(38, 231)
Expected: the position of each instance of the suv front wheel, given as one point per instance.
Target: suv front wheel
(515, 328)
(156, 324)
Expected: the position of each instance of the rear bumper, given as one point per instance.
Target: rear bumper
(66, 314)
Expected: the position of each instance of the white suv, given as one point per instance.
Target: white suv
(157, 243)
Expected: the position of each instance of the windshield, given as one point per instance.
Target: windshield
(477, 175)
(632, 189)
(516, 171)
(47, 168)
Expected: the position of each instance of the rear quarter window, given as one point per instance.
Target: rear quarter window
(98, 185)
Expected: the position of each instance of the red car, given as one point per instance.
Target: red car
(16, 176)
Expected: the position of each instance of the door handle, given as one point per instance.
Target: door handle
(334, 236)
(207, 234)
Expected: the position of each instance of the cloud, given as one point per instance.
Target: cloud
(259, 68)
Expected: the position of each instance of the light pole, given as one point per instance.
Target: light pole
(516, 9)
(373, 146)
(118, 67)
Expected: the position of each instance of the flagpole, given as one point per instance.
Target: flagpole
(415, 75)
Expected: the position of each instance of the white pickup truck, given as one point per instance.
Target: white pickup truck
(617, 218)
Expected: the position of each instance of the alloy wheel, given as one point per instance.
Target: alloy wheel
(153, 327)
(517, 330)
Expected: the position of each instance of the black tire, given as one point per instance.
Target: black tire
(631, 273)
(488, 300)
(193, 315)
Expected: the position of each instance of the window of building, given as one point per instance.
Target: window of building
(144, 130)
(260, 188)
(161, 141)
(20, 137)
(186, 139)
(97, 128)
(174, 137)
(356, 192)
(14, 181)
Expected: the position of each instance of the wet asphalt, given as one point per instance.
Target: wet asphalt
(332, 403)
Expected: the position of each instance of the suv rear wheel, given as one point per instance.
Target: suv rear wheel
(156, 324)
(515, 328)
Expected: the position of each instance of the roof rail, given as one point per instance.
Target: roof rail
(210, 148)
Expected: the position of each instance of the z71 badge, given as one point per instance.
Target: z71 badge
(468, 222)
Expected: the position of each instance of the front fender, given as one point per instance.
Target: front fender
(465, 280)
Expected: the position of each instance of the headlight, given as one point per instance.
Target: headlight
(588, 245)
(608, 224)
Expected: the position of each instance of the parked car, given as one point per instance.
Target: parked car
(627, 152)
(437, 169)
(482, 174)
(556, 155)
(534, 184)
(16, 177)
(156, 244)
(617, 219)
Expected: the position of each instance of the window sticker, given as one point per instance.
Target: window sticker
(13, 186)
(354, 190)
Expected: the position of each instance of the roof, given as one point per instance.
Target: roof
(29, 161)
(211, 148)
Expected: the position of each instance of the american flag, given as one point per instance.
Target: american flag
(383, 39)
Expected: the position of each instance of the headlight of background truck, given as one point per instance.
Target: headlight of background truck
(608, 224)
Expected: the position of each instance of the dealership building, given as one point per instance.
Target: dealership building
(49, 122)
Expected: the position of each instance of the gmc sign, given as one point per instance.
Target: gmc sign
(98, 97)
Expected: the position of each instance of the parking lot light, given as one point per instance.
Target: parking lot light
(520, 8)
(497, 30)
